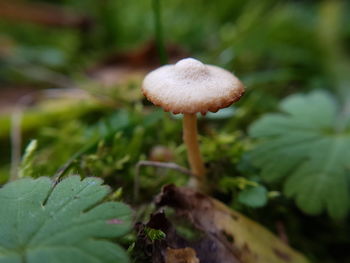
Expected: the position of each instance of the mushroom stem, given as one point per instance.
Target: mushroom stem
(194, 156)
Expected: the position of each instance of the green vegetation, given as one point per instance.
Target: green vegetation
(39, 218)
(280, 155)
(306, 145)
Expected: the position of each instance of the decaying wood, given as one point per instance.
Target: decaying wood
(226, 235)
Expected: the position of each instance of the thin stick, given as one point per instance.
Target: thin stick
(16, 134)
(190, 138)
(172, 166)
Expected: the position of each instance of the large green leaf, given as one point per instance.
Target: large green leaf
(41, 223)
(304, 147)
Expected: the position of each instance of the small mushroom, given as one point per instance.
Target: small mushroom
(189, 87)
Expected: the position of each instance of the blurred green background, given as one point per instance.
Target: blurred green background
(70, 71)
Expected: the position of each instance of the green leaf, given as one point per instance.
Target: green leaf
(304, 148)
(154, 234)
(26, 167)
(253, 196)
(42, 222)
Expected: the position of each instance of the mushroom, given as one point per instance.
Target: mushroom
(190, 87)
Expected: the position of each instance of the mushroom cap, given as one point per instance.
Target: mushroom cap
(190, 86)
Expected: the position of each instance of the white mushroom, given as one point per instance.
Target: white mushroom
(189, 87)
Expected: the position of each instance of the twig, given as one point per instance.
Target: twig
(172, 166)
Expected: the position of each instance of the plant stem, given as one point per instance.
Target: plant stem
(173, 166)
(194, 156)
(16, 142)
(159, 32)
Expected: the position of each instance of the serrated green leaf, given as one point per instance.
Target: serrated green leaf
(303, 147)
(63, 223)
